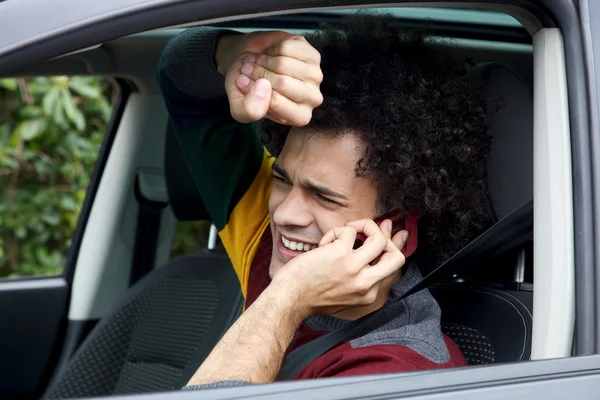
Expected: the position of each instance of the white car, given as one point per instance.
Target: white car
(123, 319)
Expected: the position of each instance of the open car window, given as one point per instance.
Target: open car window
(101, 282)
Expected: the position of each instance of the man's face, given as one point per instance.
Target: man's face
(315, 189)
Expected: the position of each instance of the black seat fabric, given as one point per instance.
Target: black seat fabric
(156, 338)
(489, 325)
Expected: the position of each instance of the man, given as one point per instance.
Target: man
(365, 119)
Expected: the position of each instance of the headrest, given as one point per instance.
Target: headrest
(510, 166)
(185, 200)
(510, 118)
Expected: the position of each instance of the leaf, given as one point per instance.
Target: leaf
(51, 219)
(105, 110)
(68, 203)
(81, 86)
(58, 116)
(9, 83)
(30, 129)
(21, 232)
(29, 112)
(50, 101)
(73, 113)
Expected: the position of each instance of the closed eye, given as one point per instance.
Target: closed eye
(281, 179)
(327, 200)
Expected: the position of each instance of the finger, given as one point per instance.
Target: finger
(297, 48)
(288, 112)
(386, 228)
(345, 235)
(389, 264)
(243, 84)
(375, 243)
(255, 104)
(289, 66)
(400, 238)
(294, 89)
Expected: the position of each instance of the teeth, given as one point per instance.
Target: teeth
(296, 246)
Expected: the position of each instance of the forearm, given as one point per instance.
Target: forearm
(254, 347)
(188, 63)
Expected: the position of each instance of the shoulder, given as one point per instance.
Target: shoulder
(346, 360)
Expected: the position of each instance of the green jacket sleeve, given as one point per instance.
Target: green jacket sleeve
(223, 155)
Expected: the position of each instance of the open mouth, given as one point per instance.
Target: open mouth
(296, 245)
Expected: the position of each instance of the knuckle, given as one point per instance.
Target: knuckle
(279, 65)
(370, 297)
(362, 287)
(285, 47)
(318, 76)
(317, 99)
(303, 118)
(282, 83)
(401, 258)
(316, 56)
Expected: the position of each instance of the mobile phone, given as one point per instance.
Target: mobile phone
(407, 222)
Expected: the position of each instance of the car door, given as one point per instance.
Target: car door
(53, 128)
(551, 378)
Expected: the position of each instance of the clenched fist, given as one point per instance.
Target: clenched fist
(270, 74)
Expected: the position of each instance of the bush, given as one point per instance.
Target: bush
(50, 133)
(51, 129)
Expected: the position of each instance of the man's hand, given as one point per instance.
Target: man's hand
(270, 74)
(335, 277)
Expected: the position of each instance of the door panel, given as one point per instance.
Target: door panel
(55, 133)
(32, 316)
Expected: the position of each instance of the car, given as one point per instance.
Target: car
(110, 322)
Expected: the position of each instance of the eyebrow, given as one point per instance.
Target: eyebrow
(315, 187)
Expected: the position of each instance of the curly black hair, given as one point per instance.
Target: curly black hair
(421, 115)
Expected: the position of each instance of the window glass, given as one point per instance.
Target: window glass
(51, 129)
(456, 15)
(191, 237)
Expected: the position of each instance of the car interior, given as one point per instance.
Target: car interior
(138, 321)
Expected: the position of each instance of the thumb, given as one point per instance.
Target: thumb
(251, 104)
(258, 99)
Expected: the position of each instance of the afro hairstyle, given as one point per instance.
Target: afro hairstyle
(421, 115)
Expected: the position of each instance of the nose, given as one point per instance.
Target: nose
(293, 210)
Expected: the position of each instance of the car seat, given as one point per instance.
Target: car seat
(168, 322)
(493, 322)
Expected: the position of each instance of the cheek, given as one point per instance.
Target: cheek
(327, 220)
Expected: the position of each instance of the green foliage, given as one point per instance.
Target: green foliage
(51, 129)
(190, 236)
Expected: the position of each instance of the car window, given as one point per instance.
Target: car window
(461, 16)
(51, 129)
(190, 237)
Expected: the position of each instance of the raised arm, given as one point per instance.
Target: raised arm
(226, 158)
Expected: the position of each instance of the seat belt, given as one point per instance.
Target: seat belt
(511, 231)
(146, 235)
